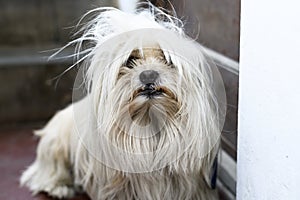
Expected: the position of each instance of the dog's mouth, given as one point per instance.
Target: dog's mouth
(152, 101)
(151, 91)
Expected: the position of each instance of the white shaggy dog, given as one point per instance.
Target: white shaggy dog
(149, 126)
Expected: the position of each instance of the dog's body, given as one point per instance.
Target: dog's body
(148, 127)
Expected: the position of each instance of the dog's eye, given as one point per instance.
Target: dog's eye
(129, 66)
(130, 62)
(171, 65)
(122, 72)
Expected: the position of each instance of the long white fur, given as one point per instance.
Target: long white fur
(188, 142)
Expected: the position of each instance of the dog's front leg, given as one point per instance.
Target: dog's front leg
(51, 171)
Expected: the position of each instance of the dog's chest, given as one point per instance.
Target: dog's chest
(155, 185)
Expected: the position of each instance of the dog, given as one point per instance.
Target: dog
(149, 124)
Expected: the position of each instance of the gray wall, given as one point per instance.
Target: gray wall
(218, 21)
(29, 89)
(40, 22)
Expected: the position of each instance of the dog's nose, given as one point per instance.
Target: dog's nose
(148, 76)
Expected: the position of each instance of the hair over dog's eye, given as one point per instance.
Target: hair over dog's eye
(171, 65)
(129, 66)
(130, 62)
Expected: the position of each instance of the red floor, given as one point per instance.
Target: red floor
(17, 151)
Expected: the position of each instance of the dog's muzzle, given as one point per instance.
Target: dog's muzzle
(148, 79)
(150, 87)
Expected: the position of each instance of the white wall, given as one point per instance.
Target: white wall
(269, 102)
(127, 5)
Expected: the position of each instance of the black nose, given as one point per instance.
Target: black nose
(148, 76)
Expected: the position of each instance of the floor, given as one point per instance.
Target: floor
(17, 151)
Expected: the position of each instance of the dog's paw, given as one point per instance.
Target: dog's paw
(60, 192)
(38, 179)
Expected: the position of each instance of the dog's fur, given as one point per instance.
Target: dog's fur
(116, 143)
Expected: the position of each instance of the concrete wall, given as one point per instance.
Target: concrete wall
(219, 23)
(40, 23)
(269, 111)
(29, 90)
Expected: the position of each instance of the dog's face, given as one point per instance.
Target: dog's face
(151, 102)
(152, 82)
(145, 102)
